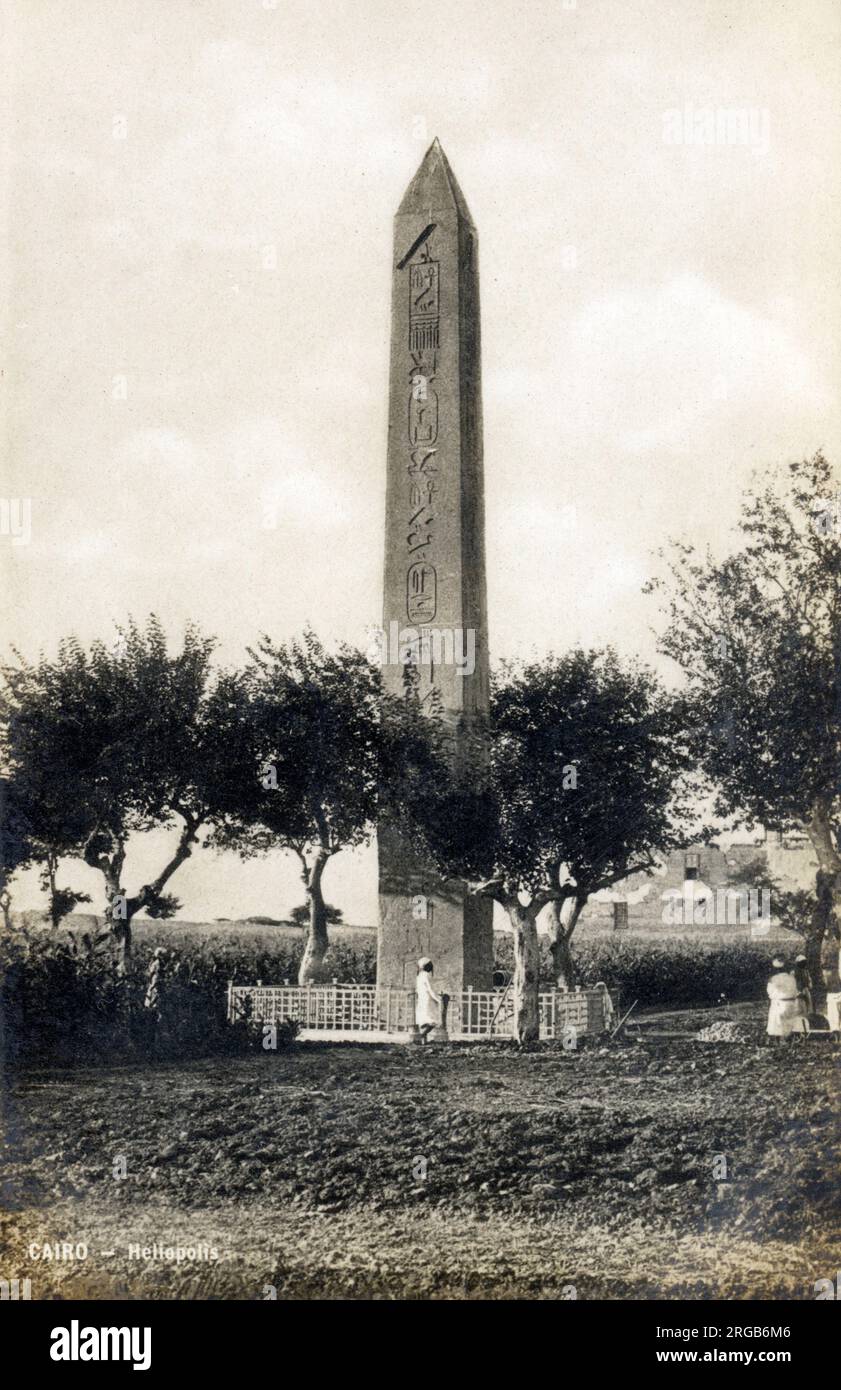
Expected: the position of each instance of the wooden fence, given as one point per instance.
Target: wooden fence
(326, 1008)
(490, 1013)
(473, 1013)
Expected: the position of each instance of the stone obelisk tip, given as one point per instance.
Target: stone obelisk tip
(435, 187)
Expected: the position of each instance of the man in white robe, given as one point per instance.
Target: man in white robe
(427, 1002)
(787, 1014)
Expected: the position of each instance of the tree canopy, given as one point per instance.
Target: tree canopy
(758, 637)
(322, 750)
(580, 777)
(119, 739)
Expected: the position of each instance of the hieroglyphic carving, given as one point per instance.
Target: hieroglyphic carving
(421, 593)
(422, 464)
(419, 534)
(423, 414)
(423, 304)
(422, 425)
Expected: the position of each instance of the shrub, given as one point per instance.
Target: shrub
(249, 1034)
(301, 915)
(670, 973)
(61, 1000)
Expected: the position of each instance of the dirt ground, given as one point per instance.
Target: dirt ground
(657, 1167)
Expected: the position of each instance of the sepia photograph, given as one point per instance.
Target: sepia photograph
(420, 664)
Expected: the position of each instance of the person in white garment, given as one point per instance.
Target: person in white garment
(787, 1015)
(427, 1002)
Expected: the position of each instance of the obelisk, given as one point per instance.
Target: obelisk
(435, 587)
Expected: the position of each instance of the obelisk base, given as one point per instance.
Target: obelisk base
(454, 930)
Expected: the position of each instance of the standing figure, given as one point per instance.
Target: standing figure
(804, 981)
(428, 1003)
(787, 1014)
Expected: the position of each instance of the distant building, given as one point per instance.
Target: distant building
(697, 887)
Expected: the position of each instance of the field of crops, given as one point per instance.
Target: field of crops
(699, 969)
(61, 1003)
(656, 969)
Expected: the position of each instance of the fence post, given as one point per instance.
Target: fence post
(230, 1000)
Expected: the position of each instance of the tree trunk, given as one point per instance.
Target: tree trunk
(125, 948)
(560, 934)
(820, 830)
(51, 873)
(312, 961)
(828, 976)
(526, 972)
(118, 919)
(563, 965)
(826, 919)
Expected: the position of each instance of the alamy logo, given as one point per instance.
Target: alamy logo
(75, 1343)
(699, 906)
(15, 1289)
(424, 646)
(16, 519)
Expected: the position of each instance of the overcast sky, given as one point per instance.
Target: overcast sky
(199, 240)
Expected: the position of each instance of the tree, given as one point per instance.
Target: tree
(121, 739)
(61, 901)
(758, 636)
(34, 830)
(309, 773)
(625, 791)
(301, 915)
(574, 782)
(16, 847)
(799, 910)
